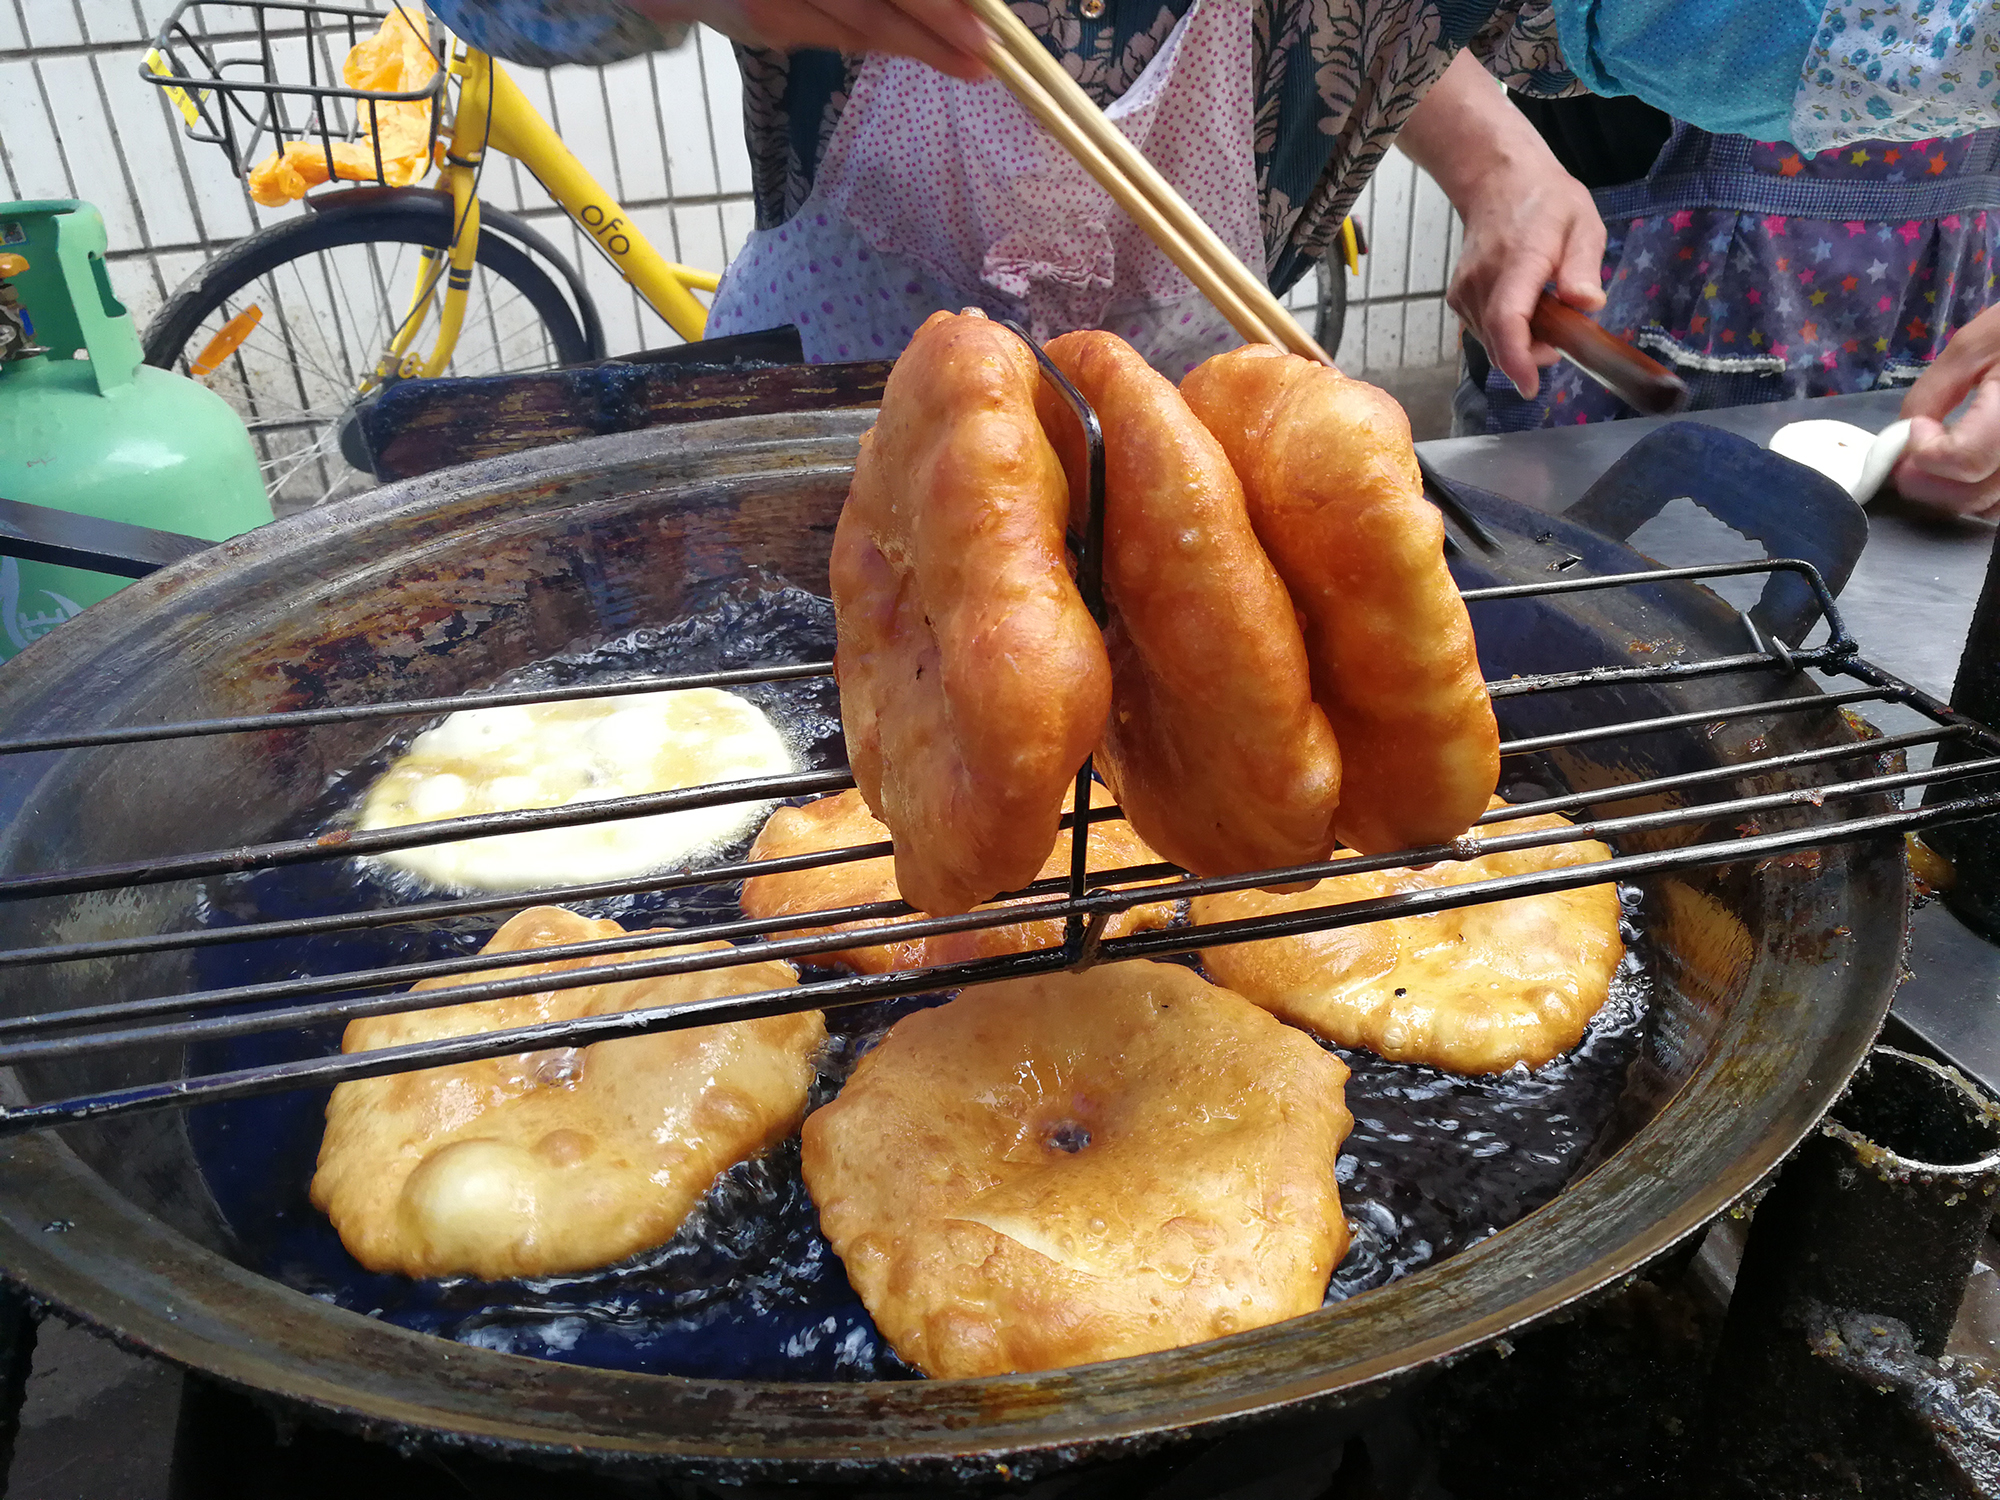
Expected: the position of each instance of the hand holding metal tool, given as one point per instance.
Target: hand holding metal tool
(1637, 379)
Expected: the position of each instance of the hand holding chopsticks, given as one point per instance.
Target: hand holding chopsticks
(1020, 61)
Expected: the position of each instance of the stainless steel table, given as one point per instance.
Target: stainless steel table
(1909, 603)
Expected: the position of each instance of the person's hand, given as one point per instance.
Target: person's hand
(1956, 467)
(943, 33)
(1531, 228)
(1527, 221)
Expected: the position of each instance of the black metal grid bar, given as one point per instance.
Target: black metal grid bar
(840, 993)
(308, 718)
(1082, 902)
(514, 901)
(1131, 881)
(1083, 907)
(38, 533)
(1116, 892)
(346, 844)
(1838, 646)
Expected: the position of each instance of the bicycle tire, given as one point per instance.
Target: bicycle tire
(422, 221)
(294, 372)
(1330, 321)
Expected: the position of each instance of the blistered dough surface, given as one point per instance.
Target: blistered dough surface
(1472, 990)
(1051, 1171)
(1331, 479)
(548, 1162)
(488, 760)
(973, 682)
(1215, 748)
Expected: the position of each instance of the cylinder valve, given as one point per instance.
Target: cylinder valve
(17, 329)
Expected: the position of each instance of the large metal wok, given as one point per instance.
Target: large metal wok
(1775, 970)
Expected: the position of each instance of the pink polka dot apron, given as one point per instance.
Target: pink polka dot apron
(935, 193)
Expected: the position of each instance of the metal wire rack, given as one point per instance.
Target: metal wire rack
(1967, 769)
(253, 76)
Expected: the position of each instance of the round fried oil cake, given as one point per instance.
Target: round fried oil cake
(1334, 491)
(510, 758)
(1077, 1167)
(843, 821)
(1475, 989)
(973, 681)
(540, 1163)
(1214, 747)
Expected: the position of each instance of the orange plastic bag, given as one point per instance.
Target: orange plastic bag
(396, 60)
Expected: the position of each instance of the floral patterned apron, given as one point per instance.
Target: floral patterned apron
(936, 193)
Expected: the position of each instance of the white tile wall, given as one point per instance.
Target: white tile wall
(663, 132)
(1396, 317)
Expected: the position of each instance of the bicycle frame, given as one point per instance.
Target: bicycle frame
(494, 115)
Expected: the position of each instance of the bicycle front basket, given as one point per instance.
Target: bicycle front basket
(257, 77)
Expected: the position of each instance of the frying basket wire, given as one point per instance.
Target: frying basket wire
(253, 76)
(1813, 814)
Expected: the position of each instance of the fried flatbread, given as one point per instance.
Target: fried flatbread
(547, 1162)
(843, 821)
(1471, 990)
(486, 760)
(1331, 478)
(1215, 748)
(1052, 1171)
(973, 681)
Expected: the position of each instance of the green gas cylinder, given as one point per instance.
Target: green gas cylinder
(86, 426)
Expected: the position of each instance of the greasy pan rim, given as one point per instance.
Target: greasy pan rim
(127, 1274)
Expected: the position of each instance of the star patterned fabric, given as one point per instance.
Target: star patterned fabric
(1791, 275)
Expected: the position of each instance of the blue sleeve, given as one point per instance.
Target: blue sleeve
(545, 33)
(1728, 66)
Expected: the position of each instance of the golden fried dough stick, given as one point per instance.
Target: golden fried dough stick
(1474, 990)
(548, 1162)
(843, 820)
(1335, 495)
(1214, 748)
(973, 681)
(1051, 1171)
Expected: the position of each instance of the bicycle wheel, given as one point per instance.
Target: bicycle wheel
(1331, 319)
(329, 290)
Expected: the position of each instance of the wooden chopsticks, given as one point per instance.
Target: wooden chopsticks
(1021, 63)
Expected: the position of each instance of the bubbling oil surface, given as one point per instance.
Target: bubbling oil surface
(749, 1288)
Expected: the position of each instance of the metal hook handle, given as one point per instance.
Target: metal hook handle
(1078, 945)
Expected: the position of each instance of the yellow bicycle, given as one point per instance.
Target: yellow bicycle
(382, 280)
